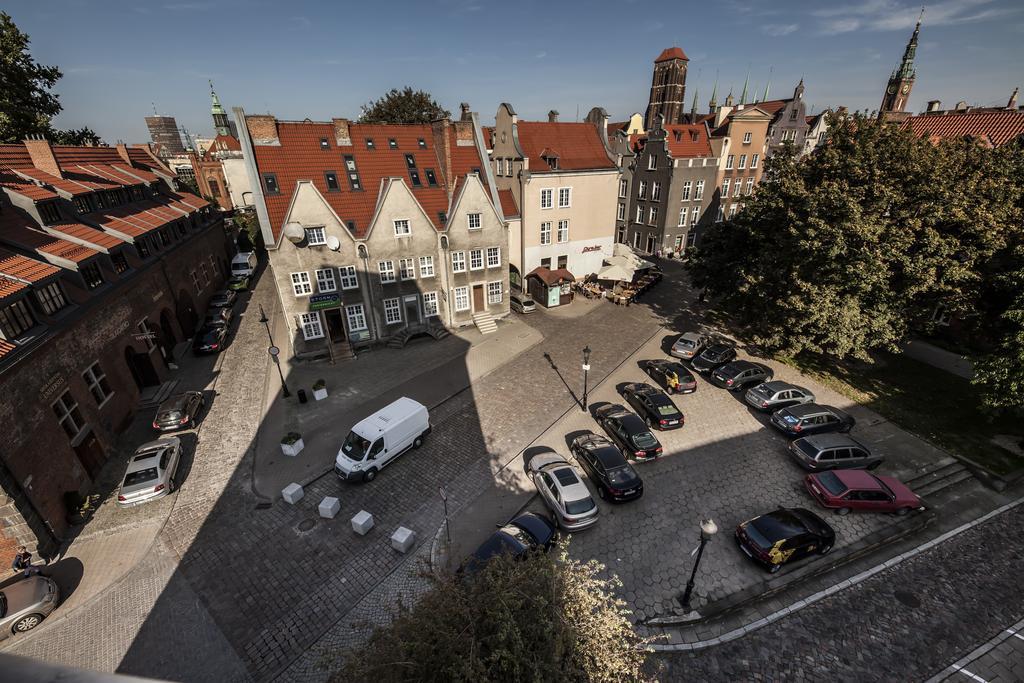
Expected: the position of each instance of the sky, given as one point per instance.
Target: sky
(305, 59)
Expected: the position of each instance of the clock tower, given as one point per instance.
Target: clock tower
(897, 91)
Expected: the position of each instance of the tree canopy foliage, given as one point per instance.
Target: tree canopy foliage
(403, 106)
(532, 620)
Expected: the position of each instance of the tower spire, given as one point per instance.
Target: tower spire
(220, 117)
(768, 84)
(743, 95)
(713, 104)
(693, 108)
(897, 91)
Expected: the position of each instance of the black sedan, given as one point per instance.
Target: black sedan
(178, 412)
(628, 432)
(672, 375)
(651, 403)
(210, 339)
(810, 418)
(614, 478)
(218, 316)
(529, 531)
(741, 374)
(785, 535)
(223, 299)
(713, 357)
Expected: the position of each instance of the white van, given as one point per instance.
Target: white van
(377, 440)
(243, 263)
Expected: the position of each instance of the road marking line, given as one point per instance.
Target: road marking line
(965, 672)
(1017, 635)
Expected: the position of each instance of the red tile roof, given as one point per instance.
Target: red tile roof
(24, 268)
(772, 107)
(9, 287)
(72, 187)
(87, 234)
(577, 145)
(671, 53)
(6, 347)
(508, 203)
(224, 143)
(998, 127)
(551, 277)
(14, 156)
(17, 228)
(23, 187)
(688, 140)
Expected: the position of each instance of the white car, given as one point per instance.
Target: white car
(563, 491)
(688, 345)
(151, 472)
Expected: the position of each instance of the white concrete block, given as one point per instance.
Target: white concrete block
(403, 539)
(362, 522)
(329, 507)
(292, 493)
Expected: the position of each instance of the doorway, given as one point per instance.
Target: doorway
(650, 244)
(186, 313)
(636, 240)
(412, 310)
(90, 453)
(335, 327)
(478, 297)
(141, 367)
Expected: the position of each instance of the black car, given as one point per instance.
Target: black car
(628, 432)
(218, 316)
(713, 357)
(528, 531)
(209, 339)
(614, 478)
(651, 403)
(785, 535)
(178, 412)
(672, 375)
(223, 299)
(740, 374)
(810, 418)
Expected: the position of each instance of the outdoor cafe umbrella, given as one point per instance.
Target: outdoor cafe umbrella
(615, 273)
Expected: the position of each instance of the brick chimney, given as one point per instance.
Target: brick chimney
(552, 116)
(341, 132)
(122, 151)
(443, 146)
(42, 155)
(934, 105)
(262, 129)
(466, 113)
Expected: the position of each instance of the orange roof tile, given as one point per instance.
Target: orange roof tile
(772, 106)
(577, 145)
(20, 230)
(72, 187)
(6, 347)
(671, 53)
(9, 287)
(999, 127)
(88, 234)
(508, 203)
(24, 268)
(688, 140)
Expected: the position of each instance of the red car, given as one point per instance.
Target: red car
(845, 490)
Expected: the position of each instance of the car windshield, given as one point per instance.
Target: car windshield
(518, 534)
(685, 343)
(644, 440)
(355, 446)
(578, 507)
(831, 483)
(173, 415)
(790, 420)
(140, 477)
(668, 410)
(621, 475)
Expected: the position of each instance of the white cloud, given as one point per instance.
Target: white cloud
(779, 29)
(541, 55)
(887, 15)
(833, 26)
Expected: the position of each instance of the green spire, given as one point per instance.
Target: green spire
(743, 95)
(693, 108)
(220, 117)
(714, 93)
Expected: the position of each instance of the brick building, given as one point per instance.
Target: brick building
(103, 269)
(163, 130)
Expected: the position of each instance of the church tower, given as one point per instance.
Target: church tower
(668, 88)
(897, 91)
(220, 117)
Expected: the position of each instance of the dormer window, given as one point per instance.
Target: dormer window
(551, 161)
(410, 160)
(369, 144)
(652, 162)
(422, 143)
(431, 178)
(443, 218)
(392, 143)
(49, 212)
(353, 173)
(99, 199)
(414, 176)
(694, 136)
(324, 144)
(679, 135)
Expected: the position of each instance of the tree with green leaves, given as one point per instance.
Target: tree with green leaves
(403, 106)
(536, 619)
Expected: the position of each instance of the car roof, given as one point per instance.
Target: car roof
(536, 525)
(631, 422)
(858, 479)
(779, 385)
(569, 483)
(643, 388)
(806, 409)
(718, 348)
(831, 440)
(613, 410)
(779, 525)
(174, 403)
(691, 336)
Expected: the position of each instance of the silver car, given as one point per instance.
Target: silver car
(151, 472)
(24, 604)
(563, 491)
(777, 394)
(688, 345)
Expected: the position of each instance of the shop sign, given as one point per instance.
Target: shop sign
(319, 302)
(51, 386)
(587, 250)
(359, 336)
(554, 296)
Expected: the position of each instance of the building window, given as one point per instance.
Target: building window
(682, 217)
(332, 181)
(426, 266)
(270, 182)
(652, 218)
(315, 237)
(642, 190)
(656, 191)
(214, 187)
(49, 212)
(93, 276)
(691, 238)
(622, 212)
(430, 304)
(753, 160)
(737, 187)
(204, 274)
(545, 199)
(743, 161)
(545, 232)
(142, 248)
(732, 211)
(311, 327)
(392, 312)
(750, 185)
(195, 281)
(410, 161)
(97, 383)
(402, 228)
(51, 298)
(461, 295)
(348, 277)
(68, 415)
(694, 216)
(325, 281)
(721, 214)
(458, 262)
(563, 261)
(16, 319)
(699, 192)
(493, 257)
(563, 231)
(476, 259)
(392, 143)
(639, 214)
(431, 178)
(746, 138)
(300, 284)
(407, 268)
(324, 144)
(387, 271)
(725, 187)
(545, 263)
(622, 188)
(414, 177)
(474, 221)
(353, 173)
(729, 161)
(494, 292)
(369, 144)
(564, 197)
(422, 143)
(652, 163)
(356, 317)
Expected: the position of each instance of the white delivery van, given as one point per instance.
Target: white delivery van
(377, 440)
(243, 263)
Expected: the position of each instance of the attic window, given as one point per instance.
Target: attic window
(270, 182)
(369, 143)
(431, 178)
(679, 135)
(414, 176)
(392, 143)
(410, 161)
(552, 162)
(351, 226)
(422, 143)
(324, 144)
(476, 170)
(443, 217)
(352, 172)
(332, 181)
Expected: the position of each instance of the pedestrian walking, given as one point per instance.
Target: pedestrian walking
(23, 563)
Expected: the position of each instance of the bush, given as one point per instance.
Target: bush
(290, 438)
(319, 385)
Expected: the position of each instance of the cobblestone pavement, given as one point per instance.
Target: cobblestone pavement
(1000, 660)
(904, 624)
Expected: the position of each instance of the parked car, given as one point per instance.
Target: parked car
(628, 432)
(784, 535)
(225, 298)
(673, 376)
(613, 477)
(209, 339)
(377, 440)
(845, 490)
(713, 357)
(151, 472)
(243, 263)
(651, 403)
(832, 452)
(810, 418)
(688, 345)
(527, 532)
(777, 394)
(238, 283)
(563, 491)
(740, 374)
(178, 412)
(218, 316)
(25, 603)
(521, 302)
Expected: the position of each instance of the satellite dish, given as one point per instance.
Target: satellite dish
(294, 232)
(333, 243)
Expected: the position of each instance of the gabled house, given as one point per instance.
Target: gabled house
(789, 120)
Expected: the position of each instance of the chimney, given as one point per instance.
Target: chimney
(342, 137)
(122, 151)
(262, 129)
(934, 105)
(466, 113)
(552, 116)
(961, 106)
(1012, 104)
(443, 145)
(42, 155)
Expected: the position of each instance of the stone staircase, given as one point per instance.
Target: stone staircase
(399, 339)
(402, 337)
(154, 396)
(939, 477)
(485, 323)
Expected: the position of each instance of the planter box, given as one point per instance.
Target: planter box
(293, 449)
(319, 394)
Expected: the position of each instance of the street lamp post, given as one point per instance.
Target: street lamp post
(274, 353)
(708, 528)
(586, 369)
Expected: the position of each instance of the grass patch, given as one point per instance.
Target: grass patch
(936, 405)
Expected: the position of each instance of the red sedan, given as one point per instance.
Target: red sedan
(845, 490)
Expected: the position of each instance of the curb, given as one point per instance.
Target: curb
(960, 665)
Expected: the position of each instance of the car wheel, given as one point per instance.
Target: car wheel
(843, 511)
(902, 511)
(417, 442)
(600, 492)
(27, 623)
(370, 474)
(650, 423)
(172, 485)
(774, 568)
(825, 549)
